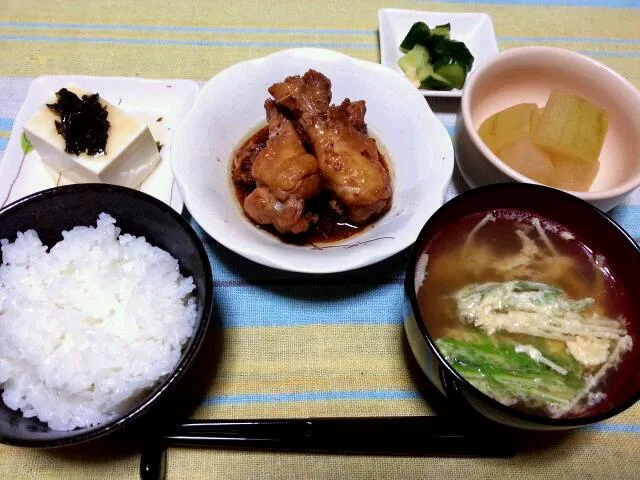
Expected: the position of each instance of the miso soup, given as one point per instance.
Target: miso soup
(524, 311)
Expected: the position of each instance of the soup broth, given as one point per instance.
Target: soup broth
(524, 311)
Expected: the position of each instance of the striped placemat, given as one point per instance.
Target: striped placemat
(292, 345)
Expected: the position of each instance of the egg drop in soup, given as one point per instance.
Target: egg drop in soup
(525, 312)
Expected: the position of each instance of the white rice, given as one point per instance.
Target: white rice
(88, 326)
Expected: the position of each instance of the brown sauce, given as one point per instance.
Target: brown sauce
(330, 225)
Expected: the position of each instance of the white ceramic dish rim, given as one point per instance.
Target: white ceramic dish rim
(390, 12)
(562, 54)
(439, 140)
(184, 92)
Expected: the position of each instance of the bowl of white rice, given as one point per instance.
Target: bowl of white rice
(105, 297)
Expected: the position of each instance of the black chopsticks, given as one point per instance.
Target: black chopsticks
(411, 436)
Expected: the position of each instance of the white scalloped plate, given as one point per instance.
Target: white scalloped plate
(230, 106)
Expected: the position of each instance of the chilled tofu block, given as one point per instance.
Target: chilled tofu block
(523, 156)
(509, 125)
(129, 156)
(571, 173)
(571, 126)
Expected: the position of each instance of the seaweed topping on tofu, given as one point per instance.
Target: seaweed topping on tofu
(83, 122)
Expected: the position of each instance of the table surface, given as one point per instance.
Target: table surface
(290, 345)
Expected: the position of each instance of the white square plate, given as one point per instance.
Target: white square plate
(474, 29)
(161, 104)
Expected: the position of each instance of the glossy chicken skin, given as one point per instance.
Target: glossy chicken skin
(285, 176)
(288, 216)
(347, 156)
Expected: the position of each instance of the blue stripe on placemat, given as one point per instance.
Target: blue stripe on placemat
(274, 298)
(191, 43)
(628, 217)
(245, 44)
(605, 40)
(286, 31)
(451, 130)
(604, 53)
(190, 29)
(551, 3)
(613, 428)
(354, 395)
(334, 303)
(6, 124)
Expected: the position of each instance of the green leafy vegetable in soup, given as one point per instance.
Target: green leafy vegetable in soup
(522, 321)
(493, 365)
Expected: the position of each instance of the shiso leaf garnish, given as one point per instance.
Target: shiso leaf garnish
(25, 144)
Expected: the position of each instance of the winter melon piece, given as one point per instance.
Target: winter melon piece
(508, 125)
(522, 155)
(571, 126)
(571, 173)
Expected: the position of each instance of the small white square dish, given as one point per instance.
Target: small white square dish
(160, 104)
(474, 29)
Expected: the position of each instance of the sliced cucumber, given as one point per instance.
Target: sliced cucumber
(424, 72)
(443, 31)
(454, 72)
(436, 82)
(453, 49)
(413, 64)
(451, 59)
(419, 34)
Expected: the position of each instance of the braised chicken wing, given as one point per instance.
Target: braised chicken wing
(265, 209)
(347, 156)
(285, 175)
